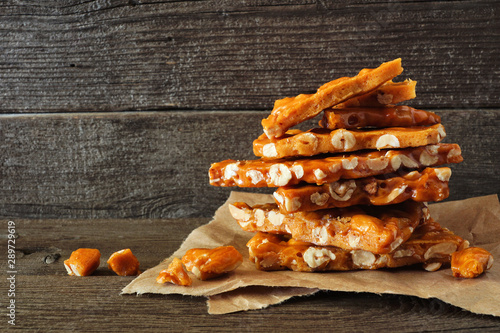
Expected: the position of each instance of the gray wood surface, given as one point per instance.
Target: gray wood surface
(48, 299)
(155, 164)
(115, 55)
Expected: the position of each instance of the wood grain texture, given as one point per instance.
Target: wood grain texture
(48, 299)
(116, 55)
(84, 139)
(155, 164)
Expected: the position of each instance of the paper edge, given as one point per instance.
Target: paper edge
(281, 295)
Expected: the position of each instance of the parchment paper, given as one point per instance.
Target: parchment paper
(475, 219)
(253, 298)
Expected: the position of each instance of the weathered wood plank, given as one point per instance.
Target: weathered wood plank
(47, 299)
(48, 303)
(115, 55)
(129, 164)
(155, 164)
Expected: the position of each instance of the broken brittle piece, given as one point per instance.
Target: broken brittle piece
(387, 94)
(124, 263)
(369, 228)
(210, 263)
(320, 141)
(389, 116)
(83, 262)
(322, 170)
(470, 262)
(429, 185)
(175, 274)
(430, 245)
(291, 111)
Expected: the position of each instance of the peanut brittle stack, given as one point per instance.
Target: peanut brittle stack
(352, 193)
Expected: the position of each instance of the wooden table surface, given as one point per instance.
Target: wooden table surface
(111, 112)
(48, 299)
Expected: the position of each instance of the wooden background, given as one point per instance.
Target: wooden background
(116, 108)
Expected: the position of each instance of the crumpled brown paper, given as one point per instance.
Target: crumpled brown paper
(475, 219)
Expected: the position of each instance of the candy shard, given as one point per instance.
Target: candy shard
(470, 262)
(124, 263)
(389, 116)
(333, 168)
(343, 140)
(83, 262)
(388, 93)
(378, 229)
(278, 252)
(210, 263)
(175, 274)
(431, 184)
(291, 111)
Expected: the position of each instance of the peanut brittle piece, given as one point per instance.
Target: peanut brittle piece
(320, 141)
(175, 274)
(322, 170)
(210, 263)
(387, 94)
(291, 111)
(369, 228)
(124, 263)
(429, 185)
(389, 116)
(470, 262)
(83, 262)
(430, 245)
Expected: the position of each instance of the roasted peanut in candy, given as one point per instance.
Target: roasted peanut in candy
(175, 274)
(124, 263)
(470, 262)
(210, 263)
(83, 262)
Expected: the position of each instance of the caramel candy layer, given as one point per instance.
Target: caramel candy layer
(429, 244)
(320, 141)
(387, 94)
(390, 116)
(369, 228)
(471, 262)
(291, 111)
(275, 173)
(428, 185)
